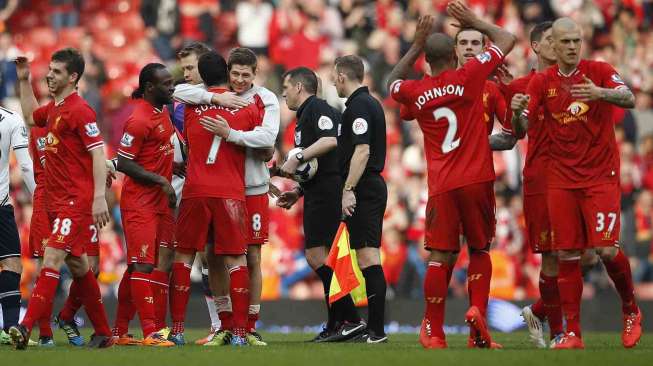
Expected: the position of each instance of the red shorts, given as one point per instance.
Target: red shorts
(258, 219)
(143, 230)
(166, 237)
(536, 213)
(39, 232)
(471, 208)
(73, 232)
(225, 218)
(585, 217)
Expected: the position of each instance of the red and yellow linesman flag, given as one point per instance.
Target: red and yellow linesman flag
(347, 277)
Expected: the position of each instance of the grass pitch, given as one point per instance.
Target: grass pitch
(290, 349)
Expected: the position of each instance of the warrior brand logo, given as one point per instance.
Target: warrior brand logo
(474, 277)
(577, 109)
(434, 300)
(552, 93)
(92, 130)
(607, 235)
(126, 140)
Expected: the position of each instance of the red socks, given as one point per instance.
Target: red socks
(42, 296)
(126, 308)
(179, 298)
(570, 286)
(239, 293)
(435, 296)
(619, 271)
(479, 275)
(89, 292)
(144, 301)
(73, 303)
(550, 298)
(159, 282)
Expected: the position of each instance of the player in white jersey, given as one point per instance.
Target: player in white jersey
(13, 136)
(260, 147)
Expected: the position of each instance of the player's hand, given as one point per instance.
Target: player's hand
(462, 13)
(229, 100)
(100, 212)
(504, 75)
(22, 68)
(273, 190)
(348, 203)
(217, 126)
(423, 30)
(179, 169)
(519, 102)
(170, 192)
(263, 154)
(287, 199)
(274, 170)
(289, 167)
(587, 91)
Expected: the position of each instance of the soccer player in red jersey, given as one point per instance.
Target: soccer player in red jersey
(577, 97)
(146, 157)
(213, 200)
(448, 107)
(74, 188)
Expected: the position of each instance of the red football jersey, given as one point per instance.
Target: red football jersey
(494, 105)
(37, 137)
(147, 140)
(583, 147)
(449, 110)
(72, 133)
(216, 168)
(537, 153)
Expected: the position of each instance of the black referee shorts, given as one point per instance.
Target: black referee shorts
(9, 241)
(322, 210)
(366, 224)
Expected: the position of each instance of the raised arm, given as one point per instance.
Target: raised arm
(403, 67)
(501, 38)
(28, 102)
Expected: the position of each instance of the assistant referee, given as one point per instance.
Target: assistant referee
(362, 147)
(317, 130)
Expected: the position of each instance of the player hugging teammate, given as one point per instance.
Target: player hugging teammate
(227, 127)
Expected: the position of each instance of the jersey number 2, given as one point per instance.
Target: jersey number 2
(449, 144)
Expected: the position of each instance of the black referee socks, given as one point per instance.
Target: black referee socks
(376, 287)
(325, 273)
(10, 297)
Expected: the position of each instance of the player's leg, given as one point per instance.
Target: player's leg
(219, 283)
(125, 312)
(603, 204)
(208, 297)
(74, 300)
(38, 236)
(10, 267)
(192, 224)
(161, 281)
(570, 239)
(476, 203)
(258, 216)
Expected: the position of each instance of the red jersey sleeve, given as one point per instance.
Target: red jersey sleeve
(40, 115)
(610, 78)
(476, 71)
(132, 138)
(86, 126)
(400, 90)
(535, 90)
(500, 108)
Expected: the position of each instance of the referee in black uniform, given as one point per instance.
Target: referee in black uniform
(317, 130)
(362, 148)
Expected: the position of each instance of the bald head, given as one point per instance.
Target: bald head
(567, 42)
(564, 25)
(439, 49)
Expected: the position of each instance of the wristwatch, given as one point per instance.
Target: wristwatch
(300, 157)
(349, 187)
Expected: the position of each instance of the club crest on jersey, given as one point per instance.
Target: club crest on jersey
(359, 126)
(577, 109)
(484, 57)
(617, 79)
(92, 130)
(126, 140)
(298, 138)
(325, 123)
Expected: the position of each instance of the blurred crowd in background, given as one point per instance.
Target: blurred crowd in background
(117, 38)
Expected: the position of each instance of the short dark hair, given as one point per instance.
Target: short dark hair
(196, 48)
(73, 60)
(469, 29)
(305, 76)
(352, 66)
(242, 56)
(539, 29)
(439, 49)
(213, 69)
(147, 75)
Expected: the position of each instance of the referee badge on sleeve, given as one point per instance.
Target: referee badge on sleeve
(325, 123)
(359, 126)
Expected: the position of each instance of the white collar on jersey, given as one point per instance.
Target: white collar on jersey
(574, 72)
